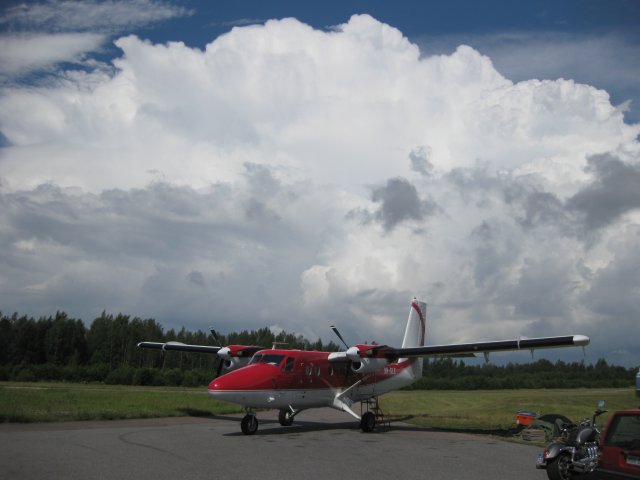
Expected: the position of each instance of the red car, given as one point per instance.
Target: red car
(620, 447)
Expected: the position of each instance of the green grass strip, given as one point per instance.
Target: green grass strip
(496, 409)
(59, 402)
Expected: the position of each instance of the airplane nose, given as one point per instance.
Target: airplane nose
(225, 388)
(218, 384)
(240, 385)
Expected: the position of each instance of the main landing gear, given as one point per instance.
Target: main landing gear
(372, 416)
(285, 417)
(368, 422)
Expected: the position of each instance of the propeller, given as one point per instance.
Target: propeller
(223, 356)
(221, 361)
(348, 369)
(335, 330)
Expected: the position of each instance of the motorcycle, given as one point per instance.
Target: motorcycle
(576, 452)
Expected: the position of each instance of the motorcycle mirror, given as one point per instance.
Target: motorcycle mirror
(601, 404)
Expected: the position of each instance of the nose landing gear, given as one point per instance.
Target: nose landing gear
(249, 424)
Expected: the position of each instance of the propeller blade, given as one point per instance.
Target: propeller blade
(335, 330)
(215, 336)
(348, 367)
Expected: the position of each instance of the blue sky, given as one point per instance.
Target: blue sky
(299, 164)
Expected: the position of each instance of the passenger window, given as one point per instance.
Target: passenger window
(288, 364)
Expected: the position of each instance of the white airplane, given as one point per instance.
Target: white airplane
(295, 380)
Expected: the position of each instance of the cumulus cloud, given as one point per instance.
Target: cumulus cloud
(522, 55)
(399, 202)
(295, 177)
(613, 192)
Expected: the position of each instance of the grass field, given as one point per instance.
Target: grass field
(465, 410)
(59, 402)
(496, 409)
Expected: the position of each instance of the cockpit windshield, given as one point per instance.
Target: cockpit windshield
(273, 359)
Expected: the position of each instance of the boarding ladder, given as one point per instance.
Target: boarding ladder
(372, 405)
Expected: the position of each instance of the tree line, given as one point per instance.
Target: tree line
(61, 348)
(449, 374)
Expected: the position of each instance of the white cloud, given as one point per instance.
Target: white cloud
(41, 35)
(24, 53)
(298, 177)
(70, 15)
(607, 61)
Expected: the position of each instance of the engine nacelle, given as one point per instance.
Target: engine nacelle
(368, 365)
(236, 356)
(234, 363)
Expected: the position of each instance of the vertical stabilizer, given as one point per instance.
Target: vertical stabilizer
(414, 334)
(415, 331)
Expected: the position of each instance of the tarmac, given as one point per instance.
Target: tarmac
(322, 443)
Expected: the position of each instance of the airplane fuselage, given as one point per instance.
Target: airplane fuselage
(299, 379)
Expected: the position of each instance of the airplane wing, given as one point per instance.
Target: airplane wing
(179, 346)
(487, 347)
(457, 350)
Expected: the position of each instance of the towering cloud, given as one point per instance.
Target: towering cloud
(302, 177)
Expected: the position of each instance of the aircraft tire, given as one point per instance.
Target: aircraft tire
(368, 422)
(285, 417)
(249, 424)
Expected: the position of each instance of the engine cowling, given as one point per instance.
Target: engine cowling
(230, 364)
(367, 358)
(234, 357)
(368, 365)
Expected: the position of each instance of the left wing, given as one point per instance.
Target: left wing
(358, 352)
(487, 347)
(179, 346)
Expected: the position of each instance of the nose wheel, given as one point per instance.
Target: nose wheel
(249, 424)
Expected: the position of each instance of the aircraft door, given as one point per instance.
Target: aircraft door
(286, 376)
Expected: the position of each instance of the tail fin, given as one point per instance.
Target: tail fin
(414, 335)
(415, 331)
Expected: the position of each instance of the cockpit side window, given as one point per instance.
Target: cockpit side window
(256, 358)
(273, 359)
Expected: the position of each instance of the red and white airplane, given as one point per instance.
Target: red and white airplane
(295, 380)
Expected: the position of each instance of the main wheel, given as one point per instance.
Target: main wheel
(249, 424)
(558, 469)
(368, 422)
(285, 417)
